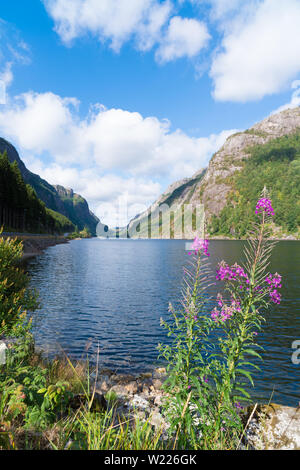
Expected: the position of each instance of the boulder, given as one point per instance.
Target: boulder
(274, 427)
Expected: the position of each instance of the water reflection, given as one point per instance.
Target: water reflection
(113, 292)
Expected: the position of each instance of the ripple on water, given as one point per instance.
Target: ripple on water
(114, 292)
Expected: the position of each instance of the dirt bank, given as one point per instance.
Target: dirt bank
(35, 244)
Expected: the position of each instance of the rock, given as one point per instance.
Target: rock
(139, 403)
(274, 427)
(146, 375)
(99, 403)
(104, 384)
(158, 400)
(122, 378)
(131, 388)
(3, 349)
(145, 385)
(157, 420)
(157, 384)
(119, 390)
(159, 372)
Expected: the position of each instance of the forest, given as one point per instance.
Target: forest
(20, 208)
(275, 165)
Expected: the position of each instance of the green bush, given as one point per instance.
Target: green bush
(15, 297)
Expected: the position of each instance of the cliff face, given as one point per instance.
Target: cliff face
(214, 189)
(57, 198)
(169, 224)
(212, 186)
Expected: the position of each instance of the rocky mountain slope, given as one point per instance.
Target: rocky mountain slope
(266, 154)
(169, 205)
(57, 198)
(229, 159)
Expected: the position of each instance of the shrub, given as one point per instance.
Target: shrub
(15, 297)
(209, 358)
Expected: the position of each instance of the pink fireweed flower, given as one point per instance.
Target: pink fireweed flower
(274, 283)
(220, 300)
(275, 296)
(226, 311)
(274, 280)
(199, 245)
(231, 273)
(238, 405)
(264, 205)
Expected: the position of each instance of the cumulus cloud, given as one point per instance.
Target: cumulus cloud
(115, 21)
(295, 99)
(107, 153)
(184, 37)
(109, 138)
(260, 52)
(113, 198)
(221, 9)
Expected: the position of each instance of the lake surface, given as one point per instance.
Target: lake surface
(114, 292)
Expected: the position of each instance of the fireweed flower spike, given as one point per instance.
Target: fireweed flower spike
(200, 245)
(264, 205)
(209, 359)
(274, 283)
(231, 273)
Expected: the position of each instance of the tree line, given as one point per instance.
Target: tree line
(21, 209)
(275, 165)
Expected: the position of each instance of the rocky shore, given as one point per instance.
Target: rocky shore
(272, 427)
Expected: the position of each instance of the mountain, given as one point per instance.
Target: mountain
(169, 205)
(267, 154)
(58, 199)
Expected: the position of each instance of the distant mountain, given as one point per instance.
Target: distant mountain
(268, 155)
(169, 205)
(65, 201)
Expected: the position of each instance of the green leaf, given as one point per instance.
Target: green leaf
(246, 374)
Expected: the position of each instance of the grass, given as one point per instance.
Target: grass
(56, 424)
(65, 427)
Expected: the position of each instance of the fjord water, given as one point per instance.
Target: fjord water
(114, 292)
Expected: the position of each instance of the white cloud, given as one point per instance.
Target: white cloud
(6, 75)
(115, 20)
(146, 22)
(108, 153)
(112, 139)
(295, 100)
(114, 199)
(12, 50)
(260, 52)
(184, 37)
(221, 9)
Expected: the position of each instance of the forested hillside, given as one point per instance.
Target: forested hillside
(267, 154)
(57, 198)
(275, 165)
(21, 209)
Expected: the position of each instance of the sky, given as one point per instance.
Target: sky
(120, 98)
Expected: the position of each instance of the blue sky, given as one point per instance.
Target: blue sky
(122, 97)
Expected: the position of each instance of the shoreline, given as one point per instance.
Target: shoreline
(37, 245)
(286, 239)
(34, 245)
